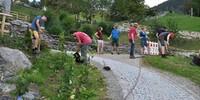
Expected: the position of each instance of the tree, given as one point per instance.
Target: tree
(128, 9)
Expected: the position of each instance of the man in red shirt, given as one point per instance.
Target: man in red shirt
(132, 35)
(83, 41)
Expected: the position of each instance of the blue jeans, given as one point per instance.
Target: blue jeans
(132, 51)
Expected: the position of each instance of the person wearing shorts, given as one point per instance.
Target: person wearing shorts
(83, 41)
(100, 42)
(115, 34)
(143, 40)
(164, 38)
(37, 27)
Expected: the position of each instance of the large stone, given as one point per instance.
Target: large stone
(16, 58)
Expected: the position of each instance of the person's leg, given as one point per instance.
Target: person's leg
(142, 47)
(113, 46)
(162, 42)
(117, 45)
(102, 46)
(36, 42)
(131, 50)
(98, 46)
(84, 49)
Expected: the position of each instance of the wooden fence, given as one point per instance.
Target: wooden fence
(6, 18)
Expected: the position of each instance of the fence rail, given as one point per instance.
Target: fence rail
(9, 17)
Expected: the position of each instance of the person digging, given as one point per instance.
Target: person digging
(37, 28)
(164, 39)
(83, 42)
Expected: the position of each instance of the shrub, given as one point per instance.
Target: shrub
(107, 27)
(89, 29)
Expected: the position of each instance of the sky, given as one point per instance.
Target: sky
(152, 3)
(32, 0)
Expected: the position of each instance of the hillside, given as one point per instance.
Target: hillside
(175, 5)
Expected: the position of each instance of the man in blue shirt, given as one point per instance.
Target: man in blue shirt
(37, 27)
(115, 39)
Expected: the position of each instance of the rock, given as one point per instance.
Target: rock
(28, 96)
(15, 57)
(19, 27)
(11, 61)
(33, 93)
(196, 60)
(189, 35)
(6, 88)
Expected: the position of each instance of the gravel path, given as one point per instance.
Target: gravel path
(138, 82)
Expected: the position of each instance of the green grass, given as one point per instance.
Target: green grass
(184, 22)
(53, 72)
(177, 65)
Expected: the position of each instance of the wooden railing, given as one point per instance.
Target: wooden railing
(6, 18)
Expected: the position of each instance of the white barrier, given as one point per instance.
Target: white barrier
(153, 48)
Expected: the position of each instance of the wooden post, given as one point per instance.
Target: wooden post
(3, 24)
(4, 15)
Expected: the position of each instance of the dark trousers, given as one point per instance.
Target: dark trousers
(132, 51)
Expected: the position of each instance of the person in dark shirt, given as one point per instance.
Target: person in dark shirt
(164, 39)
(37, 27)
(100, 42)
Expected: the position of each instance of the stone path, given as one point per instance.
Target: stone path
(138, 82)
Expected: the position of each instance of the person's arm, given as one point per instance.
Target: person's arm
(78, 47)
(96, 34)
(110, 36)
(168, 36)
(38, 25)
(78, 43)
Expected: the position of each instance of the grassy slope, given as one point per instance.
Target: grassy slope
(184, 22)
(177, 65)
(52, 72)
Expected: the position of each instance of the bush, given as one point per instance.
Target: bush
(107, 27)
(88, 29)
(59, 23)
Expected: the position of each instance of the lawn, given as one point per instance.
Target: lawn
(184, 22)
(175, 64)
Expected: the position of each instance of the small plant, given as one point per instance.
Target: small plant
(61, 41)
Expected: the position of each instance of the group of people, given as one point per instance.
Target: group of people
(84, 40)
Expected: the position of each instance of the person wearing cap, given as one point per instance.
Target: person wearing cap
(83, 41)
(37, 27)
(115, 34)
(132, 35)
(164, 39)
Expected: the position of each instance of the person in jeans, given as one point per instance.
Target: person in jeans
(83, 41)
(132, 35)
(115, 34)
(100, 42)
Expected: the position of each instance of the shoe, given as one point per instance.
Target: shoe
(112, 53)
(132, 57)
(34, 51)
(163, 56)
(118, 53)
